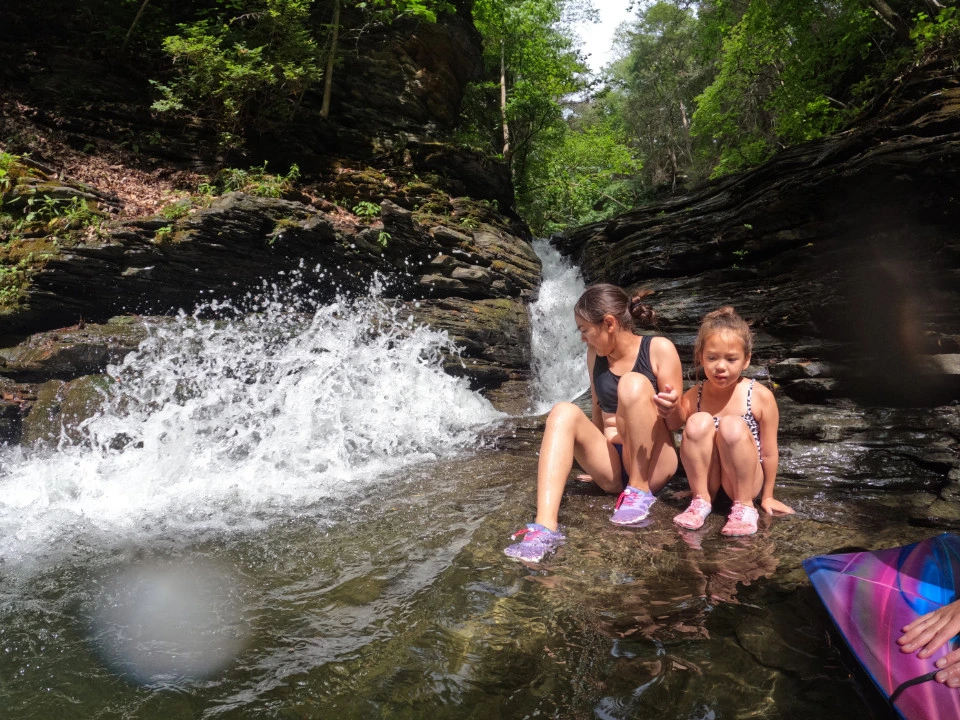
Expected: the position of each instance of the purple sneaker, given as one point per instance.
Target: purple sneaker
(633, 506)
(537, 542)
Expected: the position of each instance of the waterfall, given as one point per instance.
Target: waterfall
(559, 364)
(218, 425)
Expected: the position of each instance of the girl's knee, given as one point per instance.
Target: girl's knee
(633, 388)
(733, 430)
(563, 414)
(699, 426)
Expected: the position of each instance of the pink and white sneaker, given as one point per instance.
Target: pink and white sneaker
(694, 516)
(741, 521)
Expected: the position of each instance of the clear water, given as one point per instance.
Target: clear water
(299, 515)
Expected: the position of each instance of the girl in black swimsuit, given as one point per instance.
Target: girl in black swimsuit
(626, 445)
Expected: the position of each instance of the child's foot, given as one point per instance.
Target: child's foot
(741, 521)
(694, 516)
(538, 541)
(633, 506)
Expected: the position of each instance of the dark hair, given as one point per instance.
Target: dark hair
(723, 320)
(604, 299)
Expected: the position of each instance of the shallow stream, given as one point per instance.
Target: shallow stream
(236, 537)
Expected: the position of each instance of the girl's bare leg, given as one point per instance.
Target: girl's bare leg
(649, 456)
(698, 453)
(740, 460)
(570, 434)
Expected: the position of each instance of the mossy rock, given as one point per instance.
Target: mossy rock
(60, 407)
(436, 204)
(33, 251)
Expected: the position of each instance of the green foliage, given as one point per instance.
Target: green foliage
(584, 175)
(163, 234)
(33, 212)
(252, 181)
(245, 63)
(176, 210)
(781, 68)
(14, 280)
(530, 42)
(652, 92)
(387, 11)
(933, 32)
(383, 238)
(366, 210)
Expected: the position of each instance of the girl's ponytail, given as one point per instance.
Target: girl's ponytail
(643, 315)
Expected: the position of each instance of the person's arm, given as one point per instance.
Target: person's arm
(768, 416)
(596, 415)
(665, 363)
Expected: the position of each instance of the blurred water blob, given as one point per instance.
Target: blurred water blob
(170, 622)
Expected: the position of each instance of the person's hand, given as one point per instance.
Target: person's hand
(666, 400)
(775, 507)
(949, 666)
(931, 631)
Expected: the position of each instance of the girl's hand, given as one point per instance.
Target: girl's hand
(775, 507)
(666, 400)
(931, 631)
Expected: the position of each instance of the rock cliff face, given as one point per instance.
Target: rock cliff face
(844, 253)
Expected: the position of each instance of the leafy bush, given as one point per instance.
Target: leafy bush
(247, 64)
(930, 32)
(366, 210)
(253, 181)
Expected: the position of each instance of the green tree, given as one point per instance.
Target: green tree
(531, 51)
(246, 64)
(583, 172)
(654, 86)
(784, 75)
(242, 64)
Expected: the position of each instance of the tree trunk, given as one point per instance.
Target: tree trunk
(503, 101)
(687, 142)
(891, 18)
(328, 74)
(143, 6)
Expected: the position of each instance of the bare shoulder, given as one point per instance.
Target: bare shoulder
(763, 397)
(662, 346)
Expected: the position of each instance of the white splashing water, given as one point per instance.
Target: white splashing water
(559, 357)
(215, 425)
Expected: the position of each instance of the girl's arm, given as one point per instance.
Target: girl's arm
(665, 363)
(769, 419)
(688, 403)
(596, 416)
